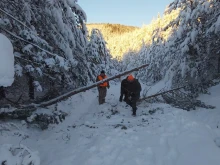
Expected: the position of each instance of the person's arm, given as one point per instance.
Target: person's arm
(139, 86)
(122, 87)
(97, 78)
(121, 92)
(108, 84)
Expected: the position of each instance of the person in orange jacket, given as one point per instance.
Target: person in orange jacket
(102, 88)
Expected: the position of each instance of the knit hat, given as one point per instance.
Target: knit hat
(103, 71)
(130, 78)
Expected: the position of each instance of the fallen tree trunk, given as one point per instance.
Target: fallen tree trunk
(184, 101)
(161, 93)
(82, 89)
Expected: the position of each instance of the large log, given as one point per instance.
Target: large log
(184, 102)
(82, 89)
(161, 93)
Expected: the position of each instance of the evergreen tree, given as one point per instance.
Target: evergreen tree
(191, 52)
(49, 38)
(98, 56)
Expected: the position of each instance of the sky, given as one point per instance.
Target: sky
(125, 12)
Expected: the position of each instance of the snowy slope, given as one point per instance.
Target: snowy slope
(107, 134)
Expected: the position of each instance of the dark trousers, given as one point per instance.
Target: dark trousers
(132, 101)
(102, 94)
(125, 98)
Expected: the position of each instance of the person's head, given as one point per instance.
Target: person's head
(130, 78)
(102, 73)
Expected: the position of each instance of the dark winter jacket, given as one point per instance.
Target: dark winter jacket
(134, 88)
(124, 83)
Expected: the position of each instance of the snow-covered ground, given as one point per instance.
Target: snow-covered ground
(107, 134)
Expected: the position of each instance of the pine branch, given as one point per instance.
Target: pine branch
(14, 18)
(14, 35)
(28, 60)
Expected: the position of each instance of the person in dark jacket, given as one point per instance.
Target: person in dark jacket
(102, 88)
(133, 88)
(124, 91)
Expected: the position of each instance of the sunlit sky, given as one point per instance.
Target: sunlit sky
(125, 12)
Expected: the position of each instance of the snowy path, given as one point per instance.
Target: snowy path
(107, 135)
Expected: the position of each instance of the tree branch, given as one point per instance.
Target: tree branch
(14, 18)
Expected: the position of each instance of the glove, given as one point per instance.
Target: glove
(120, 99)
(108, 87)
(131, 93)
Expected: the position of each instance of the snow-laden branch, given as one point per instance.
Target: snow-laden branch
(14, 18)
(14, 35)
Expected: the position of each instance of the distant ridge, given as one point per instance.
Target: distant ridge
(112, 34)
(122, 39)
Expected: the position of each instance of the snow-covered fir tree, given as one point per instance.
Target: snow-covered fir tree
(49, 39)
(190, 54)
(98, 56)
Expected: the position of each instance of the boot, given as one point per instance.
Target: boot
(120, 99)
(134, 111)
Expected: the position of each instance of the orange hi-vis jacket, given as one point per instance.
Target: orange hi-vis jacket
(100, 78)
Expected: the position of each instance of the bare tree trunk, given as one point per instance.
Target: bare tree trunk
(219, 64)
(31, 86)
(2, 93)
